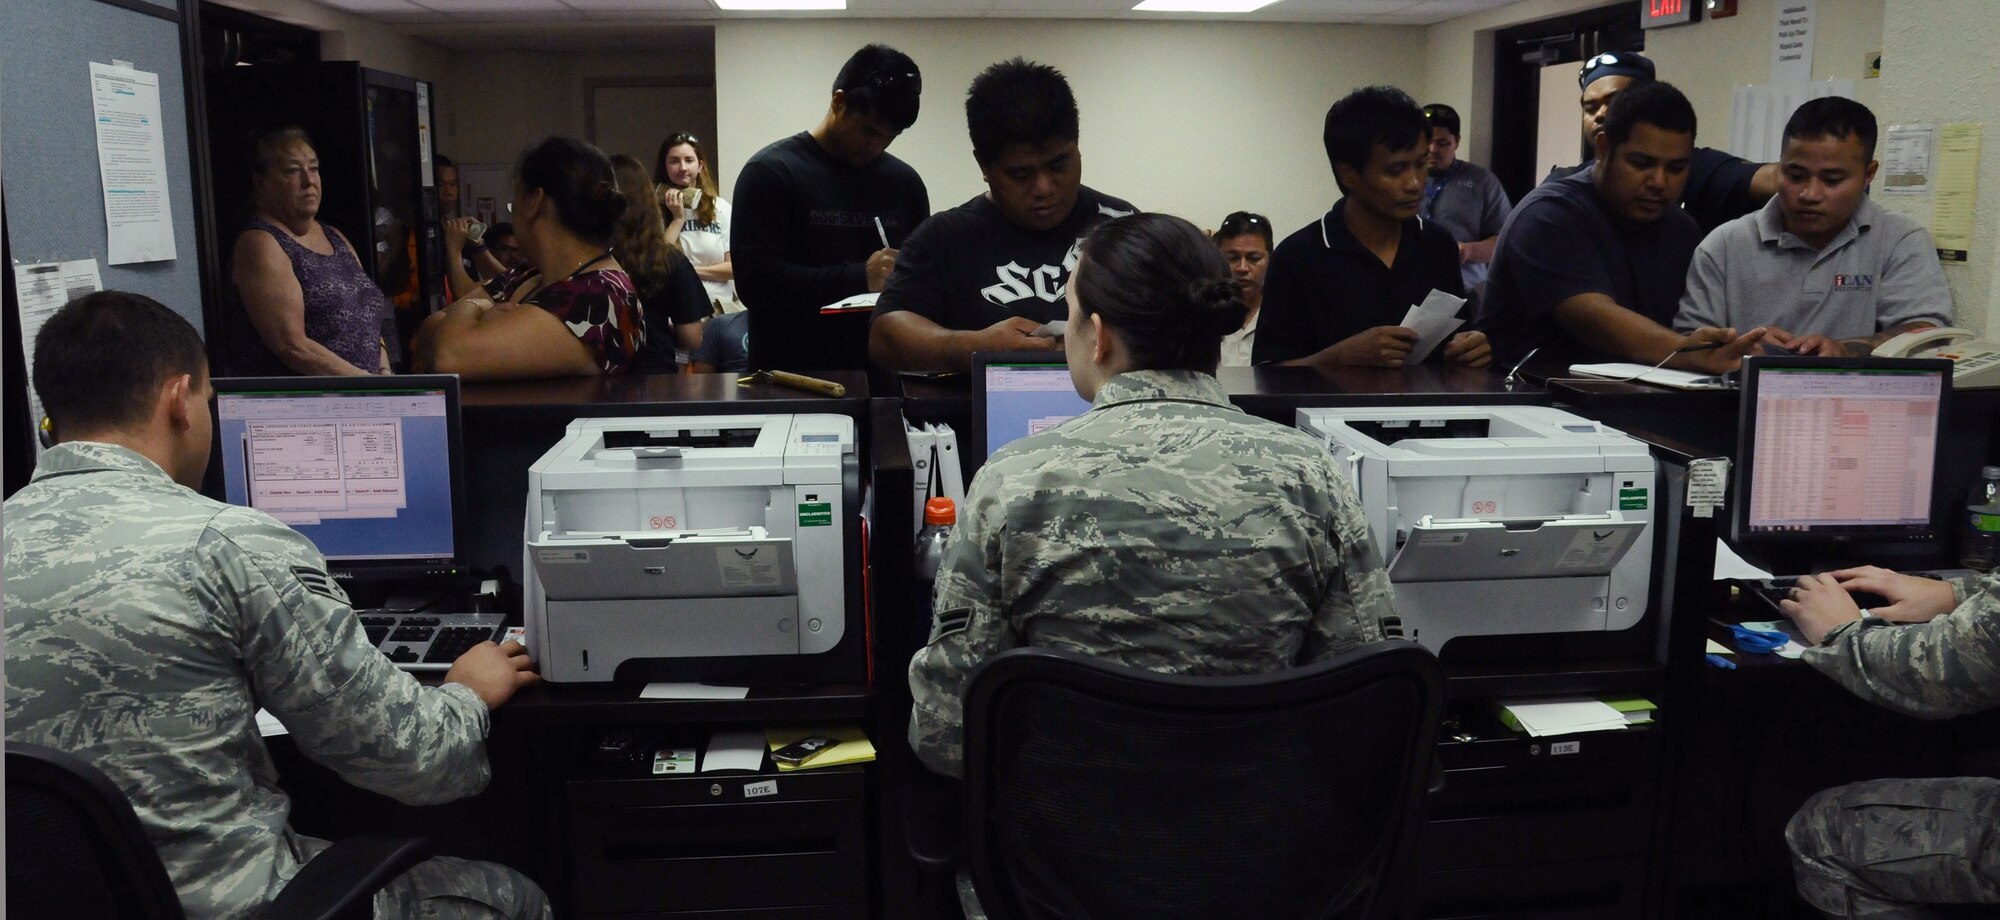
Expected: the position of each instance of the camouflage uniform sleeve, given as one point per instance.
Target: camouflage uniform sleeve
(968, 626)
(1947, 667)
(1355, 604)
(311, 665)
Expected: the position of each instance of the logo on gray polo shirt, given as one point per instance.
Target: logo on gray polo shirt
(1853, 282)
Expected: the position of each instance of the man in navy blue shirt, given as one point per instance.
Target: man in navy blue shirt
(1337, 290)
(1590, 267)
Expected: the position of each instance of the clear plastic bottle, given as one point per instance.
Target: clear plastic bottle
(939, 516)
(1979, 540)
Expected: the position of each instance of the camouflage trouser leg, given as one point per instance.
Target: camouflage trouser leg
(1881, 850)
(448, 888)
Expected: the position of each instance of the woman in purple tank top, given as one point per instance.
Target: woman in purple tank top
(314, 308)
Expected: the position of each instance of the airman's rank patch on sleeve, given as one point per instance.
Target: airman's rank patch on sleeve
(951, 621)
(319, 583)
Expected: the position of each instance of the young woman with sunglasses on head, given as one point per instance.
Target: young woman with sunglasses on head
(697, 217)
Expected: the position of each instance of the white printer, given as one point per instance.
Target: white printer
(1500, 520)
(721, 548)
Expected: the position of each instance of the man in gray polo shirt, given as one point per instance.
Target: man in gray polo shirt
(1825, 269)
(1463, 197)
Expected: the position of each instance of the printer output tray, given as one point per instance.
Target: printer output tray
(613, 567)
(1479, 550)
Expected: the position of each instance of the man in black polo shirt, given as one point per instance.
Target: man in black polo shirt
(1338, 289)
(818, 213)
(1590, 267)
(1720, 187)
(984, 276)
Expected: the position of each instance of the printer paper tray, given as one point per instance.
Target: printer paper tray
(612, 568)
(1472, 550)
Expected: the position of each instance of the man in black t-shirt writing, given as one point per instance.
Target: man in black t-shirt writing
(1590, 267)
(1338, 289)
(817, 215)
(984, 276)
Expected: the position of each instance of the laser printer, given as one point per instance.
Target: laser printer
(1500, 520)
(702, 548)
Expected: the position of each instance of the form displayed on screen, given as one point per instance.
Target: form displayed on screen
(1025, 399)
(1842, 448)
(364, 474)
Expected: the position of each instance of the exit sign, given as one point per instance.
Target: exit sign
(1656, 13)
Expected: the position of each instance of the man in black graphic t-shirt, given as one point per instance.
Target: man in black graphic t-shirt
(985, 275)
(807, 212)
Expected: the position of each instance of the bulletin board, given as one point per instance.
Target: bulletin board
(55, 205)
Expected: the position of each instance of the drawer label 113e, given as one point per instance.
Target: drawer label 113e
(755, 790)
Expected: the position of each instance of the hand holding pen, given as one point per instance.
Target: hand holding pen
(1714, 351)
(883, 261)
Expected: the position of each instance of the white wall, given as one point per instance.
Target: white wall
(1194, 119)
(1965, 88)
(346, 37)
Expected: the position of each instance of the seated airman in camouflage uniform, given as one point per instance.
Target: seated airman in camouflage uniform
(1163, 529)
(145, 624)
(1887, 849)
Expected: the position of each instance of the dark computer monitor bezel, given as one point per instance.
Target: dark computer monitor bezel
(372, 569)
(1745, 464)
(975, 440)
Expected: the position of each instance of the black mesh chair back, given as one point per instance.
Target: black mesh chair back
(74, 846)
(1095, 791)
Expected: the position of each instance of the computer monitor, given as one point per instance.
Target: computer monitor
(1016, 394)
(1836, 454)
(368, 468)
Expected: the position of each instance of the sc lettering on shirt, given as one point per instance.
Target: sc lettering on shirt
(1020, 283)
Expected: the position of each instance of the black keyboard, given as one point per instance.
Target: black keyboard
(1779, 587)
(428, 641)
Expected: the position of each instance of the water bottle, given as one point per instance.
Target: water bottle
(939, 516)
(1979, 542)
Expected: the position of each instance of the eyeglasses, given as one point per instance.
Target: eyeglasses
(680, 139)
(893, 79)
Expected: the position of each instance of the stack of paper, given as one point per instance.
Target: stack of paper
(1561, 717)
(853, 746)
(733, 749)
(1637, 710)
(1433, 319)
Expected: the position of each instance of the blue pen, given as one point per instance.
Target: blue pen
(1722, 662)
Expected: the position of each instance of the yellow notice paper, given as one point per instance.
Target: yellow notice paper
(853, 745)
(1957, 190)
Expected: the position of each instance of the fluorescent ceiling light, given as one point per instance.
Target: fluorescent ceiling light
(1201, 6)
(781, 4)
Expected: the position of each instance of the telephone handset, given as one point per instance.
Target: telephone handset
(1976, 363)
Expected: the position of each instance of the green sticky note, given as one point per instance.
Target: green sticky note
(1633, 499)
(815, 514)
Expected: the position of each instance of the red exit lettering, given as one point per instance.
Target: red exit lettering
(1667, 7)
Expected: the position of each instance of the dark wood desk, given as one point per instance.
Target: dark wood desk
(1276, 393)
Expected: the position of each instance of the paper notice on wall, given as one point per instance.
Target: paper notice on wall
(1792, 44)
(1957, 189)
(40, 290)
(132, 163)
(1907, 151)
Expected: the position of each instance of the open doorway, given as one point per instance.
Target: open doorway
(1536, 121)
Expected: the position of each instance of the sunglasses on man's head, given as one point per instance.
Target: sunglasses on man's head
(893, 79)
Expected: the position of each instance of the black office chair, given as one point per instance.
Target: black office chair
(75, 849)
(1098, 791)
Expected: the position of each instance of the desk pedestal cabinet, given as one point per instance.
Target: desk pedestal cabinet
(1520, 830)
(718, 846)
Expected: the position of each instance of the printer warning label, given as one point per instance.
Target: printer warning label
(748, 568)
(1633, 499)
(561, 556)
(815, 514)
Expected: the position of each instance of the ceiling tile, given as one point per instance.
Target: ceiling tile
(677, 8)
(376, 6)
(496, 6)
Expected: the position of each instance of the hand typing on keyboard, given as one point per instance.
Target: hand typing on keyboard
(1821, 603)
